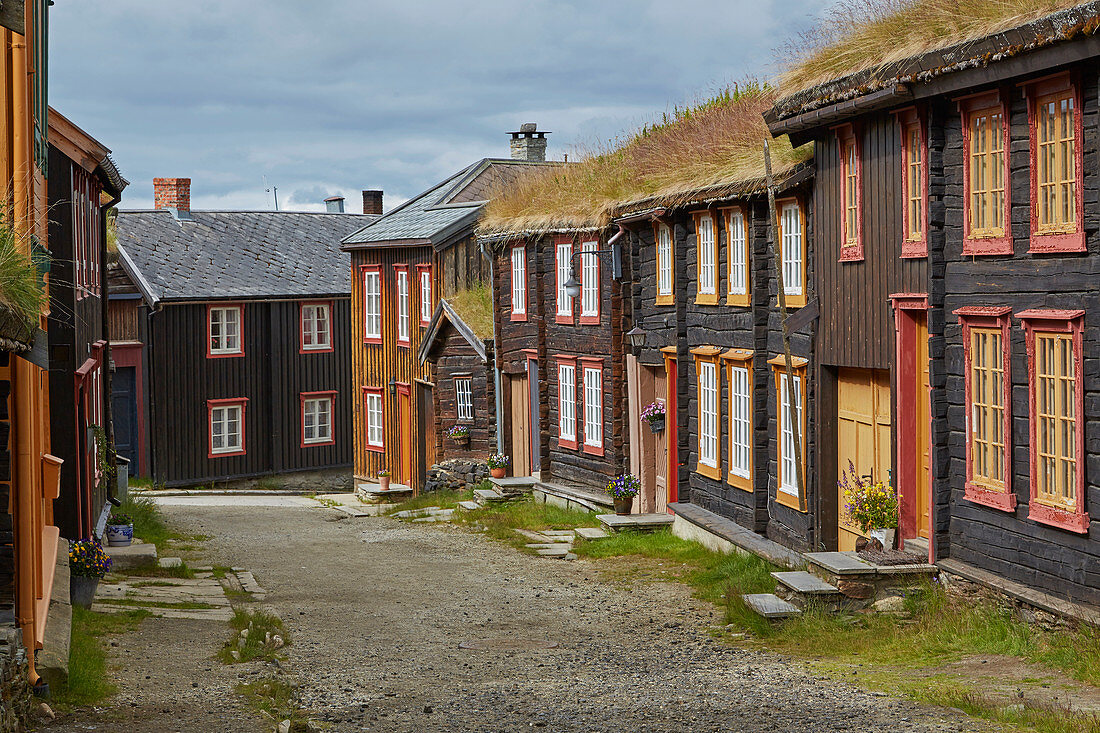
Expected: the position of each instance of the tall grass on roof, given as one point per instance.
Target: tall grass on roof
(20, 282)
(860, 35)
(475, 306)
(718, 141)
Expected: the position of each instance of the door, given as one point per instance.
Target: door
(533, 402)
(519, 392)
(924, 426)
(660, 444)
(671, 462)
(649, 450)
(863, 439)
(124, 414)
(425, 430)
(404, 433)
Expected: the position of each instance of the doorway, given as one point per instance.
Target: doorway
(124, 414)
(404, 433)
(520, 423)
(649, 453)
(863, 437)
(426, 443)
(914, 418)
(533, 402)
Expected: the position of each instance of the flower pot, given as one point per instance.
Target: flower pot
(384, 483)
(885, 536)
(120, 535)
(497, 472)
(462, 440)
(624, 506)
(82, 590)
(656, 425)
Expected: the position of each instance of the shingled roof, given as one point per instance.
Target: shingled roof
(220, 255)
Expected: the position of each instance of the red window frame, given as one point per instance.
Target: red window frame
(398, 270)
(302, 348)
(908, 119)
(363, 270)
(592, 320)
(989, 317)
(380, 447)
(848, 137)
(1073, 323)
(968, 106)
(331, 395)
(596, 363)
(1036, 91)
(559, 317)
(522, 247)
(240, 331)
(225, 402)
(421, 270)
(568, 361)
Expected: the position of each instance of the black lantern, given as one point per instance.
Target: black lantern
(637, 337)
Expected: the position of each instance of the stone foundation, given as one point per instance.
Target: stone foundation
(15, 691)
(331, 481)
(456, 475)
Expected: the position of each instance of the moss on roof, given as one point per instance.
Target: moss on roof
(475, 307)
(865, 35)
(714, 145)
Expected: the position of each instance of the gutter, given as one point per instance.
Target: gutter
(499, 398)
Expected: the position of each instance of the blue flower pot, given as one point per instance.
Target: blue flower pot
(120, 535)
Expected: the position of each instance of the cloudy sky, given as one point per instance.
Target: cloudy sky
(328, 98)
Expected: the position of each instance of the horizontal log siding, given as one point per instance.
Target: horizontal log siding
(376, 365)
(456, 357)
(1054, 560)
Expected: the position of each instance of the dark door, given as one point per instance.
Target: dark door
(533, 402)
(426, 442)
(124, 414)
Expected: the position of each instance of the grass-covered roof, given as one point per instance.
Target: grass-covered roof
(474, 306)
(716, 146)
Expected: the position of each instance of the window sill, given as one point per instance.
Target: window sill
(739, 482)
(228, 454)
(315, 444)
(1004, 501)
(706, 299)
(788, 500)
(316, 350)
(793, 301)
(665, 300)
(738, 300)
(593, 450)
(517, 317)
(712, 472)
(230, 355)
(590, 320)
(914, 249)
(1059, 518)
(986, 246)
(373, 341)
(564, 320)
(567, 444)
(1052, 243)
(376, 448)
(851, 253)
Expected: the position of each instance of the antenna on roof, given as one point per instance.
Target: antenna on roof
(274, 189)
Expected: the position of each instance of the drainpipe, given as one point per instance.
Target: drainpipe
(496, 346)
(109, 427)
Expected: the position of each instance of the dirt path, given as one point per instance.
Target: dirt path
(377, 611)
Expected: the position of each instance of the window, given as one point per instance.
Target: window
(464, 398)
(986, 352)
(424, 274)
(224, 330)
(737, 259)
(1054, 112)
(564, 256)
(914, 183)
(593, 408)
(707, 290)
(788, 473)
(739, 378)
(706, 372)
(791, 238)
(316, 327)
(851, 174)
(1056, 419)
(986, 172)
(664, 265)
(401, 277)
(373, 417)
(590, 284)
(317, 418)
(567, 403)
(226, 427)
(519, 282)
(372, 305)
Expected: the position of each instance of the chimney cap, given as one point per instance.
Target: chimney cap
(528, 129)
(334, 198)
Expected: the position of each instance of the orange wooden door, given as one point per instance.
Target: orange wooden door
(863, 440)
(924, 450)
(404, 431)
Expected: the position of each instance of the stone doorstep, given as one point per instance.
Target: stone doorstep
(137, 555)
(591, 533)
(770, 606)
(840, 563)
(640, 522)
(488, 495)
(805, 583)
(514, 482)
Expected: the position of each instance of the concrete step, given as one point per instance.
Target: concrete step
(370, 492)
(636, 522)
(137, 555)
(770, 606)
(591, 533)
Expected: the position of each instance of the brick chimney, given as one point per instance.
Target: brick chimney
(372, 202)
(335, 204)
(172, 193)
(528, 143)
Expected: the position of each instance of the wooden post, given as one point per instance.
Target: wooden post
(792, 408)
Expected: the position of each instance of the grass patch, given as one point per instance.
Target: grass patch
(177, 605)
(182, 571)
(88, 683)
(1037, 716)
(149, 525)
(441, 499)
(276, 698)
(153, 584)
(254, 646)
(500, 520)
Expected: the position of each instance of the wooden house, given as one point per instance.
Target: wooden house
(83, 185)
(402, 264)
(244, 340)
(957, 254)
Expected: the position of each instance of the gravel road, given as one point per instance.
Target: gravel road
(377, 611)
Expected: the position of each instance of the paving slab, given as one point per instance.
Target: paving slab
(514, 482)
(533, 536)
(806, 583)
(591, 533)
(559, 533)
(413, 513)
(554, 551)
(840, 563)
(549, 546)
(137, 555)
(769, 605)
(640, 522)
(470, 506)
(249, 584)
(170, 562)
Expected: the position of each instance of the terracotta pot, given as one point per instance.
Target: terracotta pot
(497, 472)
(384, 482)
(624, 506)
(82, 590)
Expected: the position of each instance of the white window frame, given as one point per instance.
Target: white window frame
(218, 315)
(708, 413)
(593, 406)
(464, 398)
(736, 257)
(564, 256)
(708, 257)
(788, 483)
(222, 416)
(313, 316)
(372, 304)
(374, 409)
(664, 261)
(319, 410)
(590, 281)
(425, 295)
(567, 402)
(740, 408)
(519, 281)
(793, 266)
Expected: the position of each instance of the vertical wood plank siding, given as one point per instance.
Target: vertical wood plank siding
(271, 375)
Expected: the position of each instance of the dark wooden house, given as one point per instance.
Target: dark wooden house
(83, 184)
(245, 338)
(957, 274)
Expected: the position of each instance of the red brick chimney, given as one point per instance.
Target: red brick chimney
(172, 193)
(372, 202)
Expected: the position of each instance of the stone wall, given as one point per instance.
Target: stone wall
(15, 691)
(456, 475)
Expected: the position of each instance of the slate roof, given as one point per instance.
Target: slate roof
(217, 255)
(445, 210)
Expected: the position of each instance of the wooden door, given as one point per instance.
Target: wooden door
(534, 452)
(405, 439)
(924, 450)
(520, 425)
(124, 414)
(426, 432)
(863, 440)
(660, 444)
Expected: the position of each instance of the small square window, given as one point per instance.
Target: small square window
(316, 326)
(226, 427)
(224, 331)
(317, 418)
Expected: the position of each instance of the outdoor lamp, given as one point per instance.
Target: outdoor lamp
(572, 285)
(637, 337)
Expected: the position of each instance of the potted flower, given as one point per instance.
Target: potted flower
(872, 505)
(623, 489)
(384, 480)
(498, 465)
(460, 434)
(87, 564)
(654, 414)
(120, 529)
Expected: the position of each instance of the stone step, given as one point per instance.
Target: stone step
(770, 606)
(561, 551)
(805, 583)
(840, 563)
(591, 533)
(170, 562)
(470, 506)
(549, 546)
(637, 522)
(137, 555)
(413, 513)
(369, 492)
(514, 483)
(486, 496)
(563, 533)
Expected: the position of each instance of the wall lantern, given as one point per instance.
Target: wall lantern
(572, 285)
(637, 337)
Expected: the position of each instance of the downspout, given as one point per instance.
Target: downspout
(498, 397)
(108, 372)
